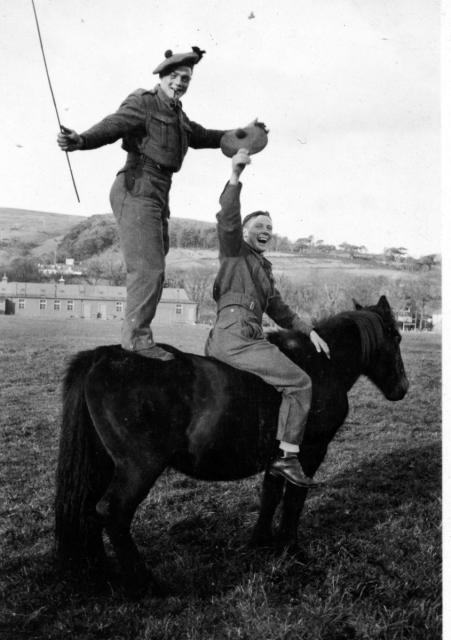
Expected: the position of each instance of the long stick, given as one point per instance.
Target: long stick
(53, 96)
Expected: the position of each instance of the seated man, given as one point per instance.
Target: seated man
(244, 288)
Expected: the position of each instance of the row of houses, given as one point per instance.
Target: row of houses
(58, 299)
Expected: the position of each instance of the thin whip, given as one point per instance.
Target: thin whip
(53, 96)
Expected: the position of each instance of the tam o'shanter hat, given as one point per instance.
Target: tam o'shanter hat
(173, 60)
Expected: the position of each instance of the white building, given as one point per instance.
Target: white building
(58, 299)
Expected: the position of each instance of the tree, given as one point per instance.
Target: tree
(94, 270)
(199, 287)
(395, 253)
(427, 262)
(89, 238)
(326, 248)
(281, 243)
(114, 271)
(302, 244)
(352, 249)
(24, 270)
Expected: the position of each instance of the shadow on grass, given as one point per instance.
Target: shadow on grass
(371, 492)
(210, 546)
(205, 555)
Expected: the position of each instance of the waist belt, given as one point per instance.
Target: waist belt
(143, 163)
(240, 300)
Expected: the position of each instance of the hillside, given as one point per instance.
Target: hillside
(95, 235)
(34, 225)
(36, 232)
(293, 265)
(317, 277)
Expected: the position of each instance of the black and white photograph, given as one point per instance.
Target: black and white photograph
(221, 368)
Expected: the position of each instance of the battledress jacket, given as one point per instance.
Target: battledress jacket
(152, 126)
(245, 276)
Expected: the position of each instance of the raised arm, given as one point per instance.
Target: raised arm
(230, 233)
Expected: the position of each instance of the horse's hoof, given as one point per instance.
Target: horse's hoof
(261, 540)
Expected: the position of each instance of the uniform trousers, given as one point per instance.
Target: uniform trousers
(141, 209)
(237, 339)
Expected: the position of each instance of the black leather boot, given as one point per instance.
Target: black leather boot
(289, 468)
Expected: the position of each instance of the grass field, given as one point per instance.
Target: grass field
(371, 568)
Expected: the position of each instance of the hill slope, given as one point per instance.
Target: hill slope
(38, 232)
(34, 225)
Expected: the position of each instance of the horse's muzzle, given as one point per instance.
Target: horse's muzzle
(399, 391)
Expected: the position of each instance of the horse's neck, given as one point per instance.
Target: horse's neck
(346, 349)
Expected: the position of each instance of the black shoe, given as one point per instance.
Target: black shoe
(289, 468)
(154, 351)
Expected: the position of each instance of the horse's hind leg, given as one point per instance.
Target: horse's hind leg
(271, 495)
(131, 482)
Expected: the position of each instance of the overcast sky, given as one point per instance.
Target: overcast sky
(348, 88)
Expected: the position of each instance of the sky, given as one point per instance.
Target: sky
(350, 90)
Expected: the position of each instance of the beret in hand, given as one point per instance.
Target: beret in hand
(254, 138)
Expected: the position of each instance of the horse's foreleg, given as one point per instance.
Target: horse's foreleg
(271, 495)
(130, 484)
(293, 502)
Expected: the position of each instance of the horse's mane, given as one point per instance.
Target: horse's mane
(368, 323)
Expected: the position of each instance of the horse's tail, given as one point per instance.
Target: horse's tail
(83, 472)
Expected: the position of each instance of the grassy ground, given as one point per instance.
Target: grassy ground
(371, 535)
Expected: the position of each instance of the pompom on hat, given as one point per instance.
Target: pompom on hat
(173, 60)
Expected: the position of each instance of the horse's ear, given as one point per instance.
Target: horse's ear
(383, 304)
(357, 306)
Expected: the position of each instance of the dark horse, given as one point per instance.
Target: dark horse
(127, 418)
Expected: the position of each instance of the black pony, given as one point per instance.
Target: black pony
(127, 418)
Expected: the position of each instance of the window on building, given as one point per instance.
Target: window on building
(21, 303)
(70, 305)
(119, 306)
(178, 308)
(42, 304)
(57, 305)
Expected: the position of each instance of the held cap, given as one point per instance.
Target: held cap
(254, 138)
(173, 60)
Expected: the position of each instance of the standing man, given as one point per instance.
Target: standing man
(156, 134)
(244, 288)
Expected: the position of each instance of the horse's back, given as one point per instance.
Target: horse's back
(209, 419)
(213, 421)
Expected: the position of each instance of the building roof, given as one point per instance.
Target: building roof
(79, 291)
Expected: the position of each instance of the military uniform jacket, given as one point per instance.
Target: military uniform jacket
(245, 276)
(153, 126)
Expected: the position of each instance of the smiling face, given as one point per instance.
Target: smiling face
(257, 232)
(176, 83)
